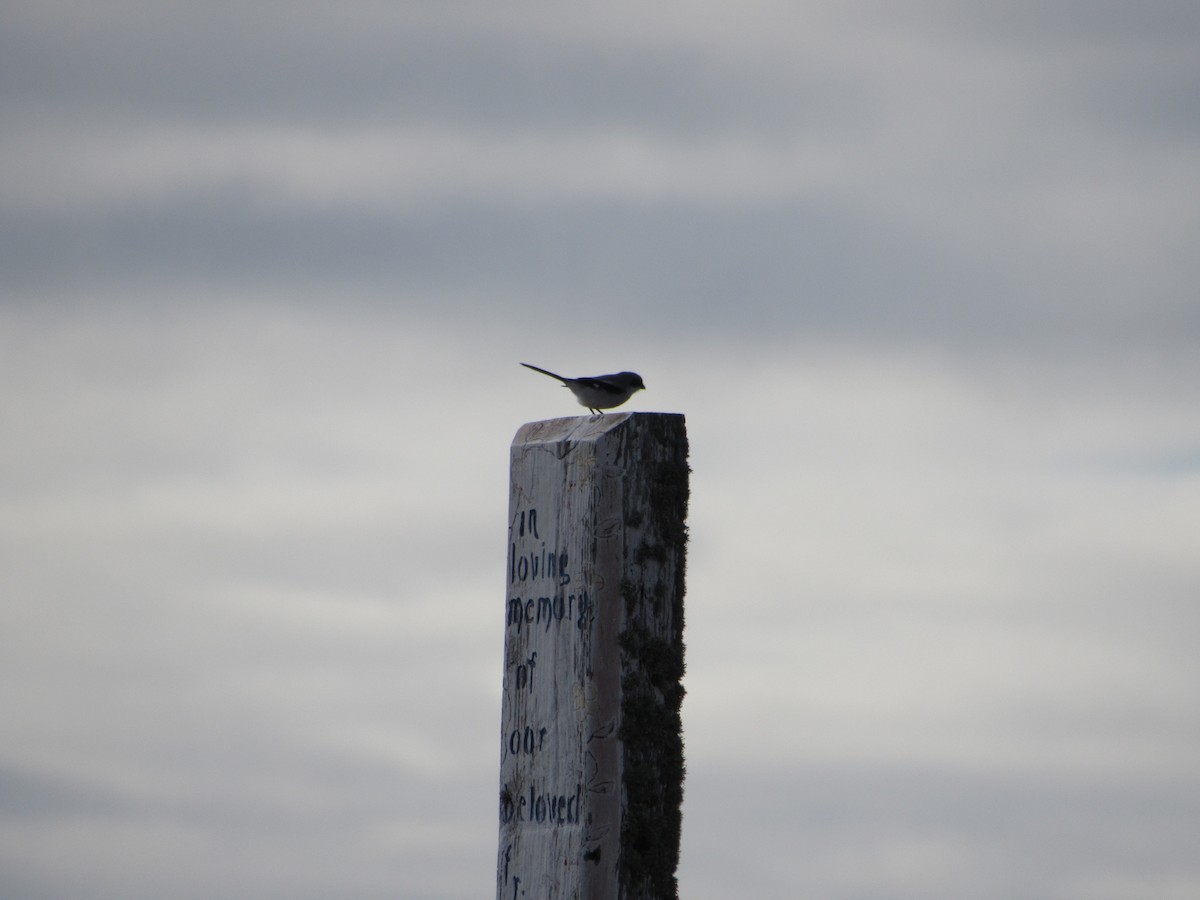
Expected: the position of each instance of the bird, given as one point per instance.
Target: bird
(601, 391)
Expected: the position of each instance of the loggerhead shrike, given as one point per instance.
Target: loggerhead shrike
(601, 392)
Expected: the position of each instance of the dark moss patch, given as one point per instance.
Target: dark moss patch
(652, 735)
(652, 651)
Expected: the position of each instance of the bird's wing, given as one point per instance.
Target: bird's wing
(602, 383)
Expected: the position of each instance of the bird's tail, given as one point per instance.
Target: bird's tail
(544, 372)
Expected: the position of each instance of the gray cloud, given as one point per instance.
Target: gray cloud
(942, 833)
(922, 279)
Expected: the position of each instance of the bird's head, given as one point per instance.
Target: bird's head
(632, 380)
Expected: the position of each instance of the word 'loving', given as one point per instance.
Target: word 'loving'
(532, 564)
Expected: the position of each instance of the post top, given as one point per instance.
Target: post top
(585, 428)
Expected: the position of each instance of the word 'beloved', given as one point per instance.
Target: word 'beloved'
(543, 808)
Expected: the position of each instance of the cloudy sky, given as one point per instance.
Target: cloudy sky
(922, 276)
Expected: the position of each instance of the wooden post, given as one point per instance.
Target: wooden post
(591, 759)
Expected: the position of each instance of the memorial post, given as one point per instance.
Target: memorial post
(591, 757)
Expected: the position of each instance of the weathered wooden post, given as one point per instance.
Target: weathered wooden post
(591, 759)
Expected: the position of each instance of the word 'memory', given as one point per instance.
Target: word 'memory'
(543, 808)
(546, 611)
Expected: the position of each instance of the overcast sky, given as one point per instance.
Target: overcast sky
(921, 275)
